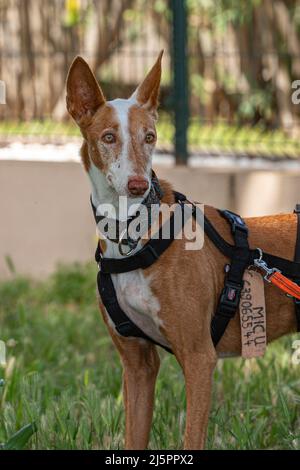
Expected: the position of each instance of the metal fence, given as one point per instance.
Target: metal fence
(228, 73)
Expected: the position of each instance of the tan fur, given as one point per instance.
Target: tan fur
(87, 105)
(83, 98)
(84, 153)
(139, 124)
(147, 92)
(187, 286)
(104, 120)
(187, 305)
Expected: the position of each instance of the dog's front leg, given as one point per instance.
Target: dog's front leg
(140, 368)
(198, 370)
(141, 365)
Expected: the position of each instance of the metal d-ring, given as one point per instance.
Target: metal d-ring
(120, 245)
(260, 252)
(257, 260)
(261, 264)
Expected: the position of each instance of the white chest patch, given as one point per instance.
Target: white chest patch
(137, 300)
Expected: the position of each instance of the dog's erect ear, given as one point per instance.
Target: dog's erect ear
(84, 96)
(147, 92)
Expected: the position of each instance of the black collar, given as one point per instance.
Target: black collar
(122, 227)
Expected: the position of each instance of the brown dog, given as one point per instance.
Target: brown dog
(119, 137)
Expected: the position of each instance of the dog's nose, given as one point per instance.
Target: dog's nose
(137, 185)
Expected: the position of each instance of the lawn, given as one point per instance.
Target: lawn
(64, 375)
(202, 137)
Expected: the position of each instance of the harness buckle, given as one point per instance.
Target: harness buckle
(230, 298)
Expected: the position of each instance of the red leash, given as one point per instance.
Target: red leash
(275, 277)
(285, 284)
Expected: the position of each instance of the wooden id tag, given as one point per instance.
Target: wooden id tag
(253, 315)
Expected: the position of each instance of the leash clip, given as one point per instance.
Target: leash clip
(261, 264)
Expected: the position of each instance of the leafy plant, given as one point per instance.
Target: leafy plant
(20, 439)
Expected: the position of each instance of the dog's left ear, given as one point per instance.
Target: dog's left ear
(147, 92)
(84, 95)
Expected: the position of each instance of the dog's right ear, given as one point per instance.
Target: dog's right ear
(84, 96)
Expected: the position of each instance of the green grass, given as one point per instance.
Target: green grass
(64, 375)
(201, 137)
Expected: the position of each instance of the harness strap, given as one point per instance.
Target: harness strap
(289, 268)
(123, 324)
(146, 256)
(233, 284)
(297, 259)
(240, 254)
(153, 249)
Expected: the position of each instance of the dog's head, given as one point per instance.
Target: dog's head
(120, 134)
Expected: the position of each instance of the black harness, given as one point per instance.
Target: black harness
(241, 256)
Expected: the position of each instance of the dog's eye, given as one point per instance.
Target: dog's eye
(150, 137)
(108, 138)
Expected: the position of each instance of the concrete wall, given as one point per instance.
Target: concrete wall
(46, 216)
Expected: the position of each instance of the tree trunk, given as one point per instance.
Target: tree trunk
(275, 66)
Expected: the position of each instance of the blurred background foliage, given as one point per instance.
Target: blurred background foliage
(242, 57)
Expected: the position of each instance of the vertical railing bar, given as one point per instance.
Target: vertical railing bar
(180, 78)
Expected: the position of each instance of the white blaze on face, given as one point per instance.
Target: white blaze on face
(121, 168)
